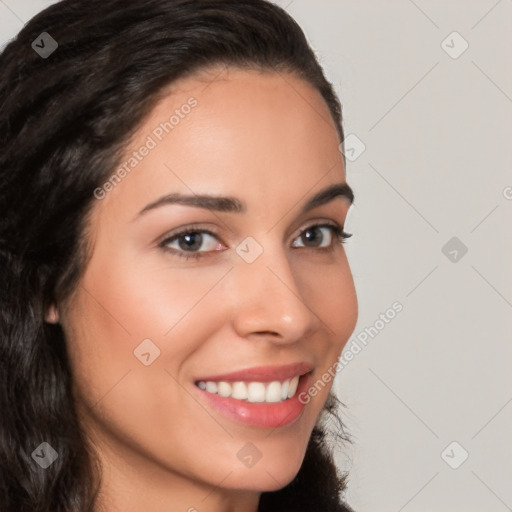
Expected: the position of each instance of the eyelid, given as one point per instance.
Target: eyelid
(162, 242)
(316, 223)
(188, 228)
(202, 227)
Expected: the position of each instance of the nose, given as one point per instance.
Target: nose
(268, 302)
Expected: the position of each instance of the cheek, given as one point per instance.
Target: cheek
(139, 301)
(330, 293)
(110, 317)
(118, 310)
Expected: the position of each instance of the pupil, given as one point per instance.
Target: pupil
(313, 237)
(191, 241)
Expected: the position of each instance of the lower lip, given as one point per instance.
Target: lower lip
(260, 414)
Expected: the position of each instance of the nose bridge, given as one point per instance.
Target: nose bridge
(269, 298)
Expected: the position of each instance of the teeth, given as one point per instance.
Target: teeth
(239, 391)
(211, 387)
(270, 392)
(293, 386)
(273, 393)
(284, 389)
(256, 392)
(224, 389)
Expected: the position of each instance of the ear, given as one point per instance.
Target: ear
(52, 314)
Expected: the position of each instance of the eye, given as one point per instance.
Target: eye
(192, 242)
(321, 236)
(195, 242)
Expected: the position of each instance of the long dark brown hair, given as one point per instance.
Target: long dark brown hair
(65, 120)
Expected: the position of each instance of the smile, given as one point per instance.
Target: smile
(270, 392)
(264, 397)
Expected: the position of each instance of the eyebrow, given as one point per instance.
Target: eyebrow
(233, 205)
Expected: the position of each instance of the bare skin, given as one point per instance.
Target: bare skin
(269, 141)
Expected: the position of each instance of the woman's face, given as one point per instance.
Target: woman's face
(250, 286)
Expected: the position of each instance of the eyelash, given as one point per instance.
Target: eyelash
(339, 236)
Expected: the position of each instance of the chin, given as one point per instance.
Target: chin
(272, 476)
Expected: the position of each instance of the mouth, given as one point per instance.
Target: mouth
(253, 391)
(265, 401)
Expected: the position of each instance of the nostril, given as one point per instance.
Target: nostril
(271, 333)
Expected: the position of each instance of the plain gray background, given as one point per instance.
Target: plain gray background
(429, 396)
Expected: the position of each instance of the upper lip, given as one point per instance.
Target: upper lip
(262, 373)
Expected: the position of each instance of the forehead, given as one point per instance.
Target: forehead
(241, 108)
(233, 131)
